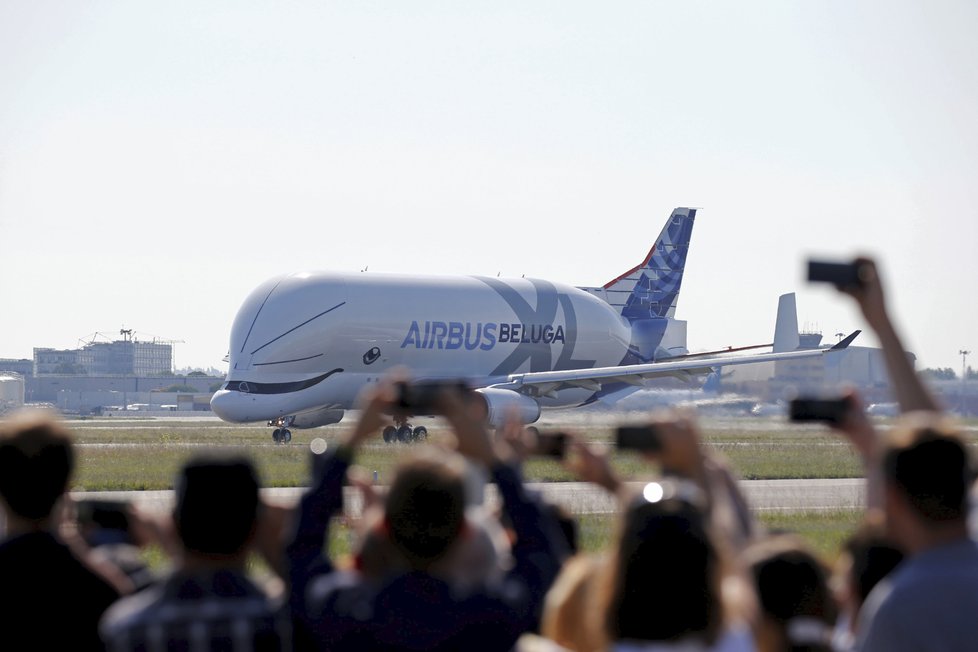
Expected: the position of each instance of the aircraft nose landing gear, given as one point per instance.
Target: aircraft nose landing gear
(282, 434)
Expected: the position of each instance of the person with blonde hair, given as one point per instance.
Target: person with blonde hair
(668, 582)
(568, 612)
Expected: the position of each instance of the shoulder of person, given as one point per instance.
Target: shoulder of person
(129, 611)
(735, 639)
(326, 588)
(537, 643)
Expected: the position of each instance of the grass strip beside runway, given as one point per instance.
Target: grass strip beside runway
(139, 455)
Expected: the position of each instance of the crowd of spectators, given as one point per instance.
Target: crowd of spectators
(434, 568)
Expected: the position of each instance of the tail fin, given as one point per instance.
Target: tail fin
(650, 290)
(786, 327)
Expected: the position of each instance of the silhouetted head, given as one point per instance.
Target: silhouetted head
(793, 591)
(926, 462)
(36, 462)
(216, 505)
(871, 556)
(664, 581)
(425, 506)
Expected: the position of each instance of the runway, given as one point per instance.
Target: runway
(580, 497)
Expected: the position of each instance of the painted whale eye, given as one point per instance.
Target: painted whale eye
(243, 387)
(371, 356)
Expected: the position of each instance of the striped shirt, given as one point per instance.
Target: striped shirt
(221, 610)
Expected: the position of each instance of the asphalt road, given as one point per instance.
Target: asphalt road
(584, 498)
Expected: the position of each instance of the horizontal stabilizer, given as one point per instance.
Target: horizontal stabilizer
(846, 342)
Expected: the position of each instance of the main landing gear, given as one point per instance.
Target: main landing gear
(282, 434)
(403, 432)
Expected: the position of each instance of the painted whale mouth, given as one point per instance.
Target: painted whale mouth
(249, 387)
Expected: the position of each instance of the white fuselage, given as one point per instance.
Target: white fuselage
(295, 329)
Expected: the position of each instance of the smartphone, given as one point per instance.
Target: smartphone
(104, 515)
(638, 438)
(841, 275)
(422, 397)
(828, 410)
(551, 444)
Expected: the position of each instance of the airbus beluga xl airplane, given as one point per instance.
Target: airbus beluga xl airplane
(303, 345)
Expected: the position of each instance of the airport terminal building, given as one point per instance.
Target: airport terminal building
(121, 357)
(109, 375)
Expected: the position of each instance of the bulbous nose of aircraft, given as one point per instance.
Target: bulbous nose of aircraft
(230, 406)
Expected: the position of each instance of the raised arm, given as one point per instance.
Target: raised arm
(859, 431)
(324, 498)
(682, 454)
(539, 549)
(911, 392)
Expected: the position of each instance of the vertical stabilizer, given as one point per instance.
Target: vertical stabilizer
(650, 290)
(786, 328)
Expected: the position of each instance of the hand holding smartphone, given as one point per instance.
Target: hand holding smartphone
(422, 397)
(644, 438)
(104, 516)
(841, 275)
(551, 444)
(825, 410)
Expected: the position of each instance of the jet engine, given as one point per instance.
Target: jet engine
(500, 402)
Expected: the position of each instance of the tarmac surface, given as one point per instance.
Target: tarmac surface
(580, 497)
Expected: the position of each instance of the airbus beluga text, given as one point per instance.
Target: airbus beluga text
(303, 345)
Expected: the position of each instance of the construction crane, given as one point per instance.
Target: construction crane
(94, 337)
(130, 335)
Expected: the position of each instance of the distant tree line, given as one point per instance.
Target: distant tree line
(947, 373)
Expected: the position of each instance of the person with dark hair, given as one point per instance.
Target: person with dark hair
(51, 593)
(919, 478)
(866, 558)
(662, 585)
(663, 544)
(208, 602)
(927, 602)
(420, 603)
(797, 607)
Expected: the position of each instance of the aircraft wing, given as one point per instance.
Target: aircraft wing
(547, 383)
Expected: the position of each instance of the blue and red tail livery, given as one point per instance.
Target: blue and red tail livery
(650, 290)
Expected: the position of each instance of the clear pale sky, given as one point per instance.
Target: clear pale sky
(160, 160)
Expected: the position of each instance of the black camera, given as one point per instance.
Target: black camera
(103, 521)
(841, 275)
(551, 444)
(422, 397)
(828, 410)
(638, 438)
